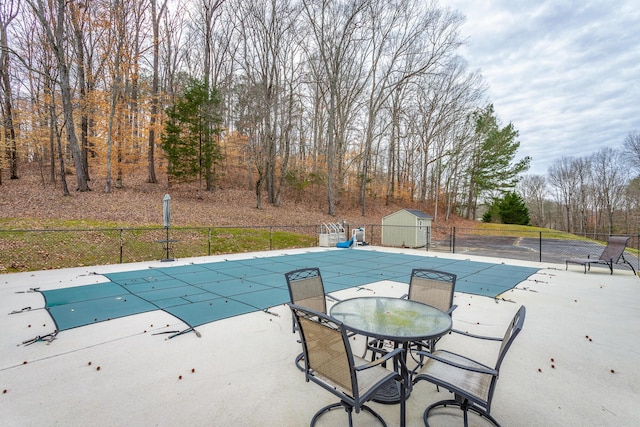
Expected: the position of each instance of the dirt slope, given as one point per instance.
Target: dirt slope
(137, 203)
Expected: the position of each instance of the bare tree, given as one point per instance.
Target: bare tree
(156, 17)
(610, 179)
(583, 194)
(174, 48)
(119, 19)
(533, 189)
(334, 27)
(8, 11)
(408, 41)
(571, 179)
(564, 181)
(632, 149)
(80, 18)
(52, 18)
(267, 31)
(444, 102)
(632, 205)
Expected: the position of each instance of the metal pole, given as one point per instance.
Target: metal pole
(453, 240)
(427, 236)
(540, 247)
(167, 257)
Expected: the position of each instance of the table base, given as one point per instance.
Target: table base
(389, 393)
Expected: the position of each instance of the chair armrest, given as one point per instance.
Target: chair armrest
(598, 260)
(453, 307)
(481, 337)
(483, 370)
(405, 296)
(391, 355)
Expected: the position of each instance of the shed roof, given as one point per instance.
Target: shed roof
(414, 212)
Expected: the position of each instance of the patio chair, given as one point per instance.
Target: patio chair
(612, 253)
(434, 288)
(471, 382)
(306, 289)
(330, 363)
(431, 287)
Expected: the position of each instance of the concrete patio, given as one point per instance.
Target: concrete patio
(575, 362)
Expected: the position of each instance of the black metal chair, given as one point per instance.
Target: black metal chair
(330, 363)
(434, 288)
(306, 289)
(471, 382)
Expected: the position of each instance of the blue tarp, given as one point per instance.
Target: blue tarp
(202, 293)
(346, 244)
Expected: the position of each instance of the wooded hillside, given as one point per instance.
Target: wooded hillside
(366, 98)
(361, 103)
(31, 203)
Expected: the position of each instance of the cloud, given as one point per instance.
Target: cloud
(566, 74)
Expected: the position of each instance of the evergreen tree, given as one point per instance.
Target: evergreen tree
(509, 209)
(513, 210)
(492, 214)
(491, 167)
(190, 131)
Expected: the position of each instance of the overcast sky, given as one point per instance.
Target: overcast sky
(565, 73)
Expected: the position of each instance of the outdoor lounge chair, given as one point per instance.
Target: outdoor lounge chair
(471, 382)
(306, 289)
(330, 363)
(612, 253)
(431, 287)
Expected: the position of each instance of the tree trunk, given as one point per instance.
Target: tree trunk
(118, 19)
(48, 88)
(258, 189)
(156, 16)
(55, 37)
(9, 131)
(84, 99)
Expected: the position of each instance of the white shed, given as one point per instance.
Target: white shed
(406, 228)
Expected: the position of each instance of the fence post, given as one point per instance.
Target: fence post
(209, 242)
(427, 237)
(453, 239)
(121, 245)
(270, 238)
(540, 247)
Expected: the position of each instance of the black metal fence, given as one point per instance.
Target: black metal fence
(527, 245)
(28, 250)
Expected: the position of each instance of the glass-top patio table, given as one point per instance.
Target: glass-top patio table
(396, 319)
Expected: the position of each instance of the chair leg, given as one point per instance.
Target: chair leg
(374, 413)
(629, 264)
(465, 406)
(349, 409)
(324, 410)
(299, 361)
(403, 403)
